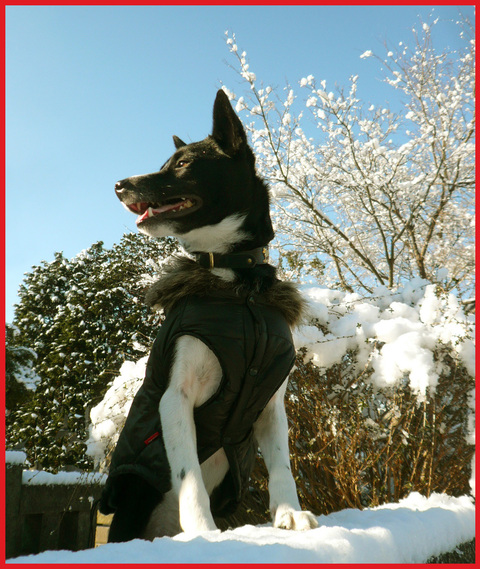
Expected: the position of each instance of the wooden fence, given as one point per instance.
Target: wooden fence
(49, 512)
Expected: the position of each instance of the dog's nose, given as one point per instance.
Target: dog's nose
(119, 187)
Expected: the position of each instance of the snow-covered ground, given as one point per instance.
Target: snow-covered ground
(408, 532)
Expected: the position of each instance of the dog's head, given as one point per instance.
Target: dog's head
(207, 194)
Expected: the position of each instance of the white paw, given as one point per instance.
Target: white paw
(288, 518)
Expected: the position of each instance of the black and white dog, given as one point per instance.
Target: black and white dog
(218, 371)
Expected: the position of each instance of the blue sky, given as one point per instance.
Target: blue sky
(95, 93)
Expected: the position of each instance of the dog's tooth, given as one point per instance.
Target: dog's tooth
(150, 212)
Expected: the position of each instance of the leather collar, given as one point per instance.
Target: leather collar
(241, 260)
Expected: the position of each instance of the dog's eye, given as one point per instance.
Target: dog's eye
(181, 164)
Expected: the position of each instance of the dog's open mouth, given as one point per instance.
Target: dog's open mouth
(171, 207)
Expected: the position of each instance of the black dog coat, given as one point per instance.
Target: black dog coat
(253, 344)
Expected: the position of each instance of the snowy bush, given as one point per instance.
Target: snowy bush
(380, 402)
(21, 378)
(396, 334)
(81, 317)
(108, 417)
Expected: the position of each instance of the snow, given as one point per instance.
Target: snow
(408, 532)
(108, 417)
(27, 376)
(15, 457)
(42, 478)
(410, 322)
(366, 54)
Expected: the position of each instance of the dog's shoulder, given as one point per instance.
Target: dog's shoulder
(183, 277)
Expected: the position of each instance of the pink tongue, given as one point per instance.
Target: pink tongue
(163, 208)
(157, 210)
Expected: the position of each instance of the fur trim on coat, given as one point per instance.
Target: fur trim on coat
(184, 277)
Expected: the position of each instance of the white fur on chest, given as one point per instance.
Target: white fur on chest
(217, 238)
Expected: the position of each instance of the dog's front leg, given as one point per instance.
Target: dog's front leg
(176, 415)
(271, 432)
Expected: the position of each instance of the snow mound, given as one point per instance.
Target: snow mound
(408, 532)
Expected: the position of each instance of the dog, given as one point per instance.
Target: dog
(218, 371)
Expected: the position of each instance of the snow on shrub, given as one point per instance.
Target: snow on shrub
(396, 333)
(20, 362)
(108, 417)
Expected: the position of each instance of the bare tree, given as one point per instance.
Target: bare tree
(376, 197)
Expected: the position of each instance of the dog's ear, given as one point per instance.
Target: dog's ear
(227, 130)
(178, 142)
